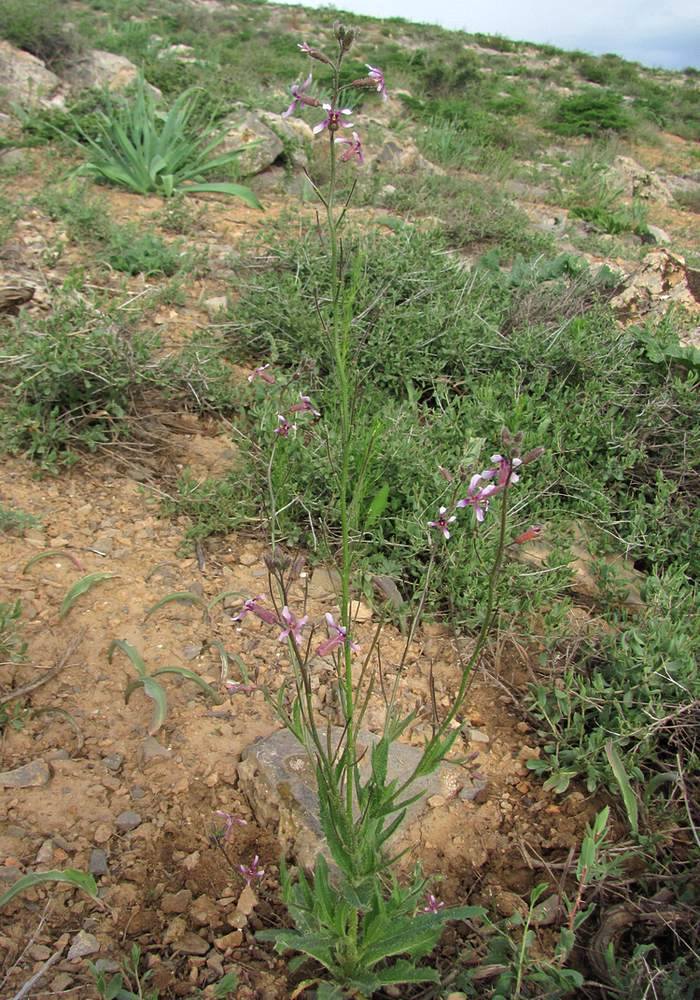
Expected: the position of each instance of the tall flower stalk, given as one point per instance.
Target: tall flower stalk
(357, 929)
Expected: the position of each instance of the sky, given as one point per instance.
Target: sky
(654, 32)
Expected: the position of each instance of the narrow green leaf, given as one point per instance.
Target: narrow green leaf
(183, 597)
(244, 193)
(377, 506)
(160, 703)
(80, 588)
(130, 652)
(628, 796)
(52, 554)
(81, 880)
(190, 675)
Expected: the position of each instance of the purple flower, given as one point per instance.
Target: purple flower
(261, 373)
(305, 48)
(304, 406)
(442, 522)
(434, 905)
(229, 823)
(251, 871)
(354, 148)
(298, 96)
(294, 626)
(376, 74)
(333, 120)
(284, 426)
(479, 497)
(505, 470)
(237, 687)
(251, 607)
(339, 638)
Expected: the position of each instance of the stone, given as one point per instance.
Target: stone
(175, 930)
(661, 280)
(385, 588)
(635, 181)
(31, 775)
(205, 913)
(83, 944)
(217, 304)
(232, 940)
(278, 780)
(137, 792)
(61, 983)
(102, 834)
(25, 80)
(128, 820)
(325, 582)
(113, 762)
(98, 69)
(656, 235)
(477, 736)
(14, 158)
(191, 944)
(45, 853)
(403, 157)
(260, 144)
(151, 750)
(183, 53)
(98, 862)
(176, 902)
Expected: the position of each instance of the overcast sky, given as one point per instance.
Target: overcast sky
(654, 32)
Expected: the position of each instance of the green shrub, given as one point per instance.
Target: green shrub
(536, 349)
(136, 252)
(591, 112)
(38, 27)
(71, 382)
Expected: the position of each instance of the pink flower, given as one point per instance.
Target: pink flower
(284, 426)
(262, 373)
(434, 904)
(504, 470)
(442, 522)
(304, 406)
(294, 626)
(251, 607)
(376, 74)
(333, 120)
(354, 148)
(229, 823)
(340, 638)
(251, 871)
(299, 96)
(479, 497)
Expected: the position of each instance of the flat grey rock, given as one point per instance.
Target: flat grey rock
(34, 774)
(278, 780)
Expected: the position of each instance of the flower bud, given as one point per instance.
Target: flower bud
(533, 455)
(313, 53)
(276, 560)
(365, 82)
(445, 473)
(506, 438)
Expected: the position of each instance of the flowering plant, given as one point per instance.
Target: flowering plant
(354, 917)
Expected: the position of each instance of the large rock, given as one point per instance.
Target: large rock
(403, 158)
(278, 780)
(25, 80)
(638, 182)
(662, 279)
(96, 68)
(584, 580)
(264, 145)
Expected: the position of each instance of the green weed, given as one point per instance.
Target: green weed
(591, 113)
(39, 27)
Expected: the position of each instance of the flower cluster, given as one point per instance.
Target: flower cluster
(292, 630)
(335, 117)
(483, 487)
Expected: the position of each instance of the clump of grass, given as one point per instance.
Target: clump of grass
(15, 522)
